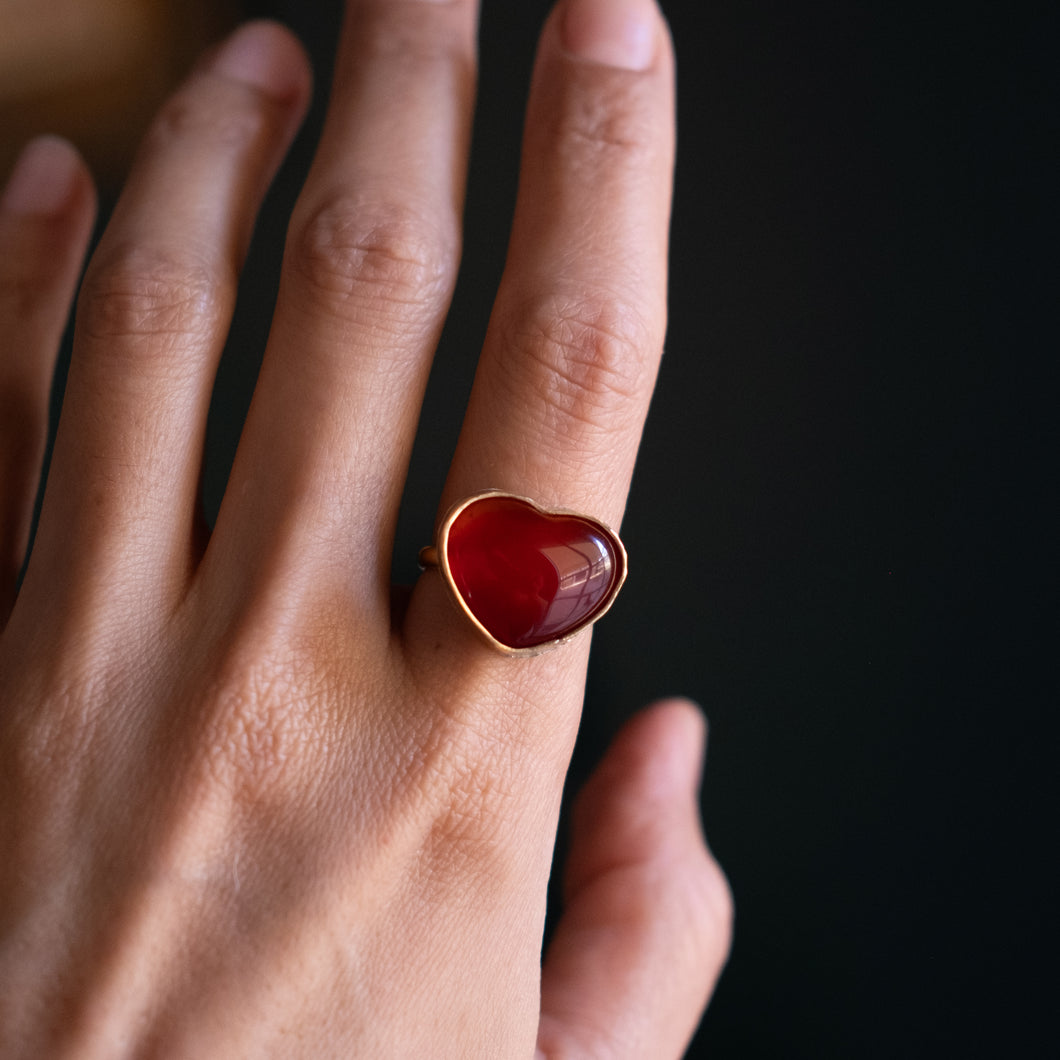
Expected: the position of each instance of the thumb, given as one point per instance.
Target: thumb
(646, 927)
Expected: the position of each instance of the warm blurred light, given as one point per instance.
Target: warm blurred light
(94, 70)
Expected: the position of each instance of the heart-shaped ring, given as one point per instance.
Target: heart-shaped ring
(528, 577)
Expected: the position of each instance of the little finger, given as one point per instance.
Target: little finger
(45, 219)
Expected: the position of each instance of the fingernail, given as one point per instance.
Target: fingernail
(259, 54)
(690, 742)
(43, 179)
(617, 33)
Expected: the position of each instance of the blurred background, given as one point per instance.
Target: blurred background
(838, 528)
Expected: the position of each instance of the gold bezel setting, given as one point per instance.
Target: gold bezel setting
(437, 556)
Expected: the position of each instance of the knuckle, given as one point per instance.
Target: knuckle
(410, 35)
(464, 783)
(588, 355)
(716, 911)
(460, 839)
(25, 282)
(612, 127)
(136, 291)
(474, 810)
(354, 255)
(255, 733)
(192, 116)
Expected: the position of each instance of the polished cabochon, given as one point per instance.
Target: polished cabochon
(528, 577)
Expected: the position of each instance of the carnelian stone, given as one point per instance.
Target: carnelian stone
(530, 576)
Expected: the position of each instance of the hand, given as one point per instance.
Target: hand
(252, 802)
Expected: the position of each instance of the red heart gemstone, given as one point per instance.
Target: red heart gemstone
(529, 576)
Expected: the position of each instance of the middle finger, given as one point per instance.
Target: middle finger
(369, 269)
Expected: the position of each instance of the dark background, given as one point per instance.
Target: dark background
(836, 530)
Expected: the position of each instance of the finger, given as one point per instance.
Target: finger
(573, 346)
(152, 318)
(45, 220)
(369, 269)
(576, 334)
(646, 927)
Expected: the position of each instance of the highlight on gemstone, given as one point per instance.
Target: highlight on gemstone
(530, 577)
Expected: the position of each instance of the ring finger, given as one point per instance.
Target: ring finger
(152, 318)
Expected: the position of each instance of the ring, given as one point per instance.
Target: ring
(528, 577)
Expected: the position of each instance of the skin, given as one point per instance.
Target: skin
(251, 802)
